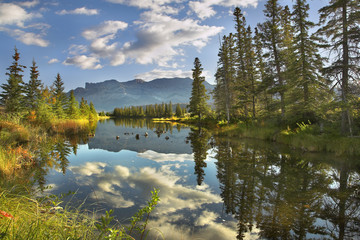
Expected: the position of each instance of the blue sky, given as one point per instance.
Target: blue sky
(97, 40)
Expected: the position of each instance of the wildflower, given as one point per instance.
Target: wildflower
(7, 215)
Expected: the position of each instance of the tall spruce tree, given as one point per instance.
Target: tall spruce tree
(251, 70)
(33, 88)
(308, 87)
(264, 96)
(272, 39)
(59, 97)
(224, 91)
(243, 84)
(73, 110)
(12, 95)
(198, 105)
(340, 21)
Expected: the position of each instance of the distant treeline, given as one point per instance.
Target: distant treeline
(151, 111)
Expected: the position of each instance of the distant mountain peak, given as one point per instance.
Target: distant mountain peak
(111, 93)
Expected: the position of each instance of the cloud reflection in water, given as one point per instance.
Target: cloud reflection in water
(178, 200)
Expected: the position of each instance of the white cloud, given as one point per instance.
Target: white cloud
(12, 14)
(77, 49)
(84, 62)
(29, 4)
(106, 28)
(53, 60)
(204, 8)
(158, 6)
(27, 38)
(159, 73)
(90, 168)
(161, 37)
(79, 11)
(166, 157)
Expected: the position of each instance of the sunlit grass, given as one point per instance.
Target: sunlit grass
(23, 217)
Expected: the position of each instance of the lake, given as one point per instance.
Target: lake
(210, 187)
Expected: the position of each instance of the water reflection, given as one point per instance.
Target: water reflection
(210, 187)
(286, 195)
(120, 134)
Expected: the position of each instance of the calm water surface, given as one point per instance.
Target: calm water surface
(211, 187)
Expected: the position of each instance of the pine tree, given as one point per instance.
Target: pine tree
(12, 96)
(178, 111)
(340, 22)
(59, 96)
(93, 116)
(224, 92)
(308, 85)
(265, 82)
(73, 107)
(84, 108)
(272, 38)
(251, 70)
(198, 105)
(33, 88)
(242, 77)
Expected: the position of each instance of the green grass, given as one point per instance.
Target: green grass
(30, 218)
(305, 137)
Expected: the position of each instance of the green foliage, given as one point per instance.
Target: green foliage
(198, 105)
(12, 96)
(137, 224)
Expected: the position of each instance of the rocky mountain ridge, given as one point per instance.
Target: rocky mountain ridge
(109, 94)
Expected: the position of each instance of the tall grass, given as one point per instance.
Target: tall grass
(23, 217)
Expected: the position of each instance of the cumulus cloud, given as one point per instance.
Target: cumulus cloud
(12, 14)
(161, 37)
(166, 157)
(101, 46)
(204, 8)
(106, 28)
(79, 11)
(14, 17)
(27, 38)
(90, 168)
(29, 4)
(84, 62)
(158, 6)
(53, 60)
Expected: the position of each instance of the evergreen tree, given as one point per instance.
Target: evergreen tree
(33, 88)
(272, 40)
(251, 70)
(178, 111)
(224, 91)
(265, 82)
(44, 111)
(170, 110)
(73, 107)
(59, 96)
(340, 22)
(12, 96)
(93, 116)
(84, 108)
(198, 105)
(308, 86)
(242, 77)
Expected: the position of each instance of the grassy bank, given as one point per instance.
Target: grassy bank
(305, 136)
(28, 213)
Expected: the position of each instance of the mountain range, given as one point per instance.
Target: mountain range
(110, 94)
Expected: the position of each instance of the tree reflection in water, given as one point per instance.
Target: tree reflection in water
(287, 194)
(199, 138)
